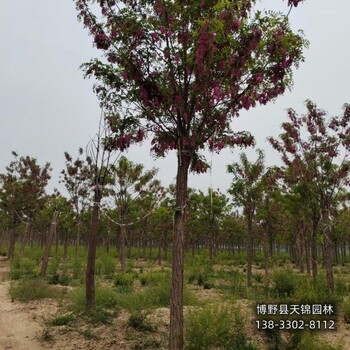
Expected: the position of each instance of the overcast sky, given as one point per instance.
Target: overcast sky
(48, 108)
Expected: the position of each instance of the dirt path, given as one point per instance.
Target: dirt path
(18, 330)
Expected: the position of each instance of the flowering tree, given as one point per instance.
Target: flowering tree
(318, 151)
(22, 193)
(247, 189)
(77, 181)
(180, 71)
(130, 183)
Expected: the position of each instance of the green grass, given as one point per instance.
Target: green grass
(62, 320)
(216, 328)
(33, 289)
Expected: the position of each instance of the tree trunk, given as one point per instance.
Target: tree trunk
(130, 242)
(24, 239)
(159, 257)
(176, 299)
(77, 243)
(327, 249)
(92, 246)
(13, 236)
(48, 244)
(307, 253)
(65, 247)
(315, 220)
(122, 246)
(266, 251)
(249, 246)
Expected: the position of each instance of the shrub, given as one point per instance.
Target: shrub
(123, 280)
(346, 308)
(285, 283)
(307, 341)
(100, 315)
(138, 321)
(215, 327)
(32, 289)
(105, 298)
(57, 279)
(315, 291)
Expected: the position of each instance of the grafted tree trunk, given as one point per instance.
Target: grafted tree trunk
(49, 239)
(176, 299)
(92, 246)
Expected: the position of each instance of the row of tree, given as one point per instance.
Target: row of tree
(284, 206)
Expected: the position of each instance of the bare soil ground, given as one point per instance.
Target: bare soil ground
(24, 326)
(18, 329)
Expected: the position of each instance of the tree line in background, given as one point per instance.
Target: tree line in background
(301, 207)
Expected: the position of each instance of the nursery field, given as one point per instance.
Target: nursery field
(132, 309)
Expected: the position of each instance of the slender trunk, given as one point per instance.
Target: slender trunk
(51, 233)
(13, 236)
(77, 243)
(24, 239)
(122, 247)
(336, 252)
(327, 249)
(143, 244)
(307, 254)
(165, 249)
(266, 252)
(343, 255)
(130, 243)
(159, 257)
(92, 247)
(3, 237)
(176, 299)
(315, 220)
(65, 248)
(249, 246)
(301, 250)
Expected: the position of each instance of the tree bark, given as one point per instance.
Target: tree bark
(92, 246)
(77, 242)
(249, 246)
(122, 246)
(49, 239)
(24, 239)
(176, 298)
(327, 243)
(13, 236)
(315, 220)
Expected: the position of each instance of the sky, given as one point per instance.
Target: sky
(47, 107)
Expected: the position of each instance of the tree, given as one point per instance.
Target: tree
(22, 192)
(206, 216)
(246, 190)
(130, 182)
(317, 148)
(77, 181)
(100, 159)
(181, 70)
